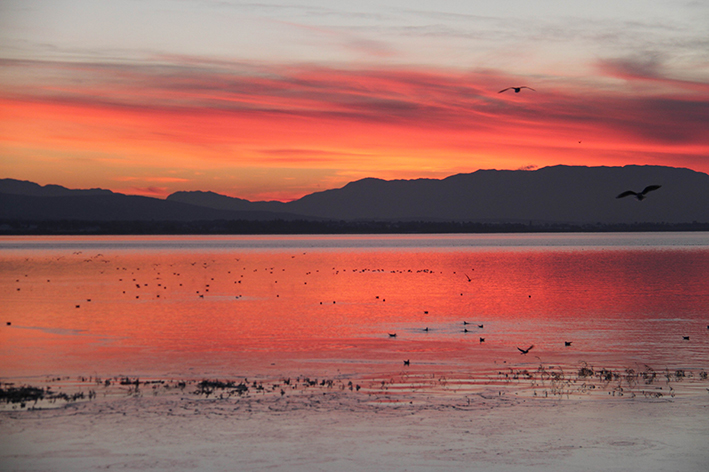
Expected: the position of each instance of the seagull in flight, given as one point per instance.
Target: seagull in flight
(640, 196)
(525, 351)
(517, 89)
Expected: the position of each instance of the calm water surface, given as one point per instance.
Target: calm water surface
(202, 306)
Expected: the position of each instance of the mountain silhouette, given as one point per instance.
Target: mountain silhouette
(558, 194)
(23, 187)
(22, 200)
(551, 195)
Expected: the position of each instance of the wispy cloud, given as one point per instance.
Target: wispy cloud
(392, 96)
(150, 179)
(649, 67)
(149, 191)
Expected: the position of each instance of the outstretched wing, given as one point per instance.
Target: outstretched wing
(626, 193)
(505, 90)
(650, 188)
(530, 88)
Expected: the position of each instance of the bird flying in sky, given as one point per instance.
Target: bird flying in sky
(517, 89)
(640, 196)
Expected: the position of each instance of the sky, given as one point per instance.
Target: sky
(273, 100)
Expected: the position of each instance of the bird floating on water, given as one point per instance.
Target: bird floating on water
(525, 351)
(517, 89)
(640, 196)
(567, 343)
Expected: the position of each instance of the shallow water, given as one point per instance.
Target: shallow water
(326, 305)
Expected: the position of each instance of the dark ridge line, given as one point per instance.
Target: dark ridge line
(275, 227)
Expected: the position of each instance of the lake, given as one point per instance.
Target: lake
(462, 305)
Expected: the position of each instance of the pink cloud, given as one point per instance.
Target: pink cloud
(149, 191)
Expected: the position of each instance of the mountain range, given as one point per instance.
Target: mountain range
(550, 195)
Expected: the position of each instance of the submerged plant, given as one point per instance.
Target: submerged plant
(207, 387)
(585, 371)
(21, 394)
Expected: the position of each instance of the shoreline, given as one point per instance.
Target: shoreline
(20, 227)
(562, 383)
(350, 431)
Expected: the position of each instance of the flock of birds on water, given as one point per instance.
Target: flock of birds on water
(205, 288)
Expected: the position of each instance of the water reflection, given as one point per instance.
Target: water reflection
(119, 311)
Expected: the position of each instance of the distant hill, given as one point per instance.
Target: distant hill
(23, 187)
(20, 200)
(222, 202)
(558, 194)
(551, 195)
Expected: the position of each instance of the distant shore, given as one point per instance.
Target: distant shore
(222, 227)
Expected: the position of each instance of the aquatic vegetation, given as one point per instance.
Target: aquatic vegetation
(585, 371)
(208, 387)
(546, 381)
(21, 394)
(29, 394)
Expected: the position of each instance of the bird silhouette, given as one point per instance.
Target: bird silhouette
(640, 196)
(392, 335)
(567, 343)
(517, 89)
(406, 362)
(525, 351)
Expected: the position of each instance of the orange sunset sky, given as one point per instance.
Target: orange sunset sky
(272, 100)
